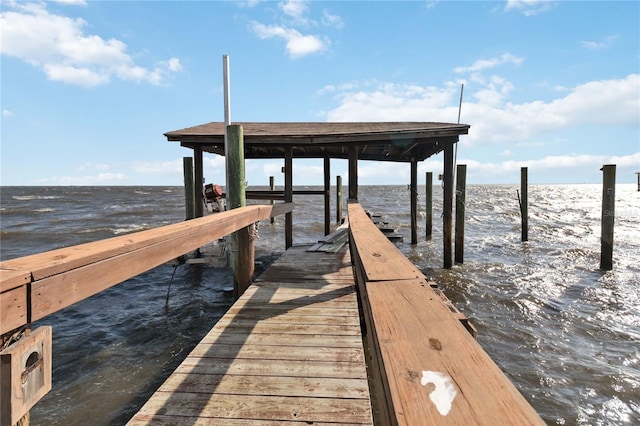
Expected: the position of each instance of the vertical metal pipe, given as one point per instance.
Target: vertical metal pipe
(227, 116)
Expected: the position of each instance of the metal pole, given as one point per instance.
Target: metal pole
(227, 116)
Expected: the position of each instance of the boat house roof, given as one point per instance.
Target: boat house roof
(382, 141)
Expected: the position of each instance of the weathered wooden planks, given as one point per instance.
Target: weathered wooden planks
(287, 351)
(427, 369)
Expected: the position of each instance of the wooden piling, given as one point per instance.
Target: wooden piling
(608, 216)
(242, 247)
(429, 205)
(187, 168)
(272, 186)
(198, 180)
(338, 199)
(327, 194)
(288, 195)
(414, 201)
(524, 202)
(638, 174)
(447, 205)
(461, 189)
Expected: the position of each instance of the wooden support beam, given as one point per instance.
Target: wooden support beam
(338, 199)
(353, 172)
(189, 195)
(447, 205)
(414, 201)
(242, 248)
(272, 187)
(327, 194)
(288, 194)
(429, 205)
(198, 179)
(461, 190)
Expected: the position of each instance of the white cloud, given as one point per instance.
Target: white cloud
(331, 20)
(72, 2)
(7, 113)
(298, 45)
(552, 162)
(59, 46)
(529, 7)
(602, 44)
(483, 64)
(295, 9)
(493, 117)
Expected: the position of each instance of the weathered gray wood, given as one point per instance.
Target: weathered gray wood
(189, 199)
(284, 352)
(429, 205)
(524, 203)
(447, 205)
(327, 194)
(288, 195)
(608, 216)
(339, 199)
(414, 201)
(461, 195)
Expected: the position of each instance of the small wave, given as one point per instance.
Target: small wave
(45, 210)
(35, 197)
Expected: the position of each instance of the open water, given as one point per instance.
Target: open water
(566, 333)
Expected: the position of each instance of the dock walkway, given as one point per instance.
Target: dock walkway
(289, 351)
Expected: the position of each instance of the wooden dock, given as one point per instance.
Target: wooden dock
(289, 351)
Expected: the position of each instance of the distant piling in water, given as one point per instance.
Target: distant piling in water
(523, 201)
(608, 216)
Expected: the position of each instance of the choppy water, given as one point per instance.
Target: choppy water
(566, 333)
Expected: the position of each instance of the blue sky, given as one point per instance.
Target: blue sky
(89, 88)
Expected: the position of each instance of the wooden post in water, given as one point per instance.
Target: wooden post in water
(429, 205)
(187, 168)
(338, 199)
(272, 186)
(523, 198)
(414, 201)
(447, 204)
(638, 174)
(242, 247)
(608, 216)
(327, 194)
(288, 195)
(461, 190)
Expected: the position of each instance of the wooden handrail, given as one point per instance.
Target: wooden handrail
(426, 367)
(35, 286)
